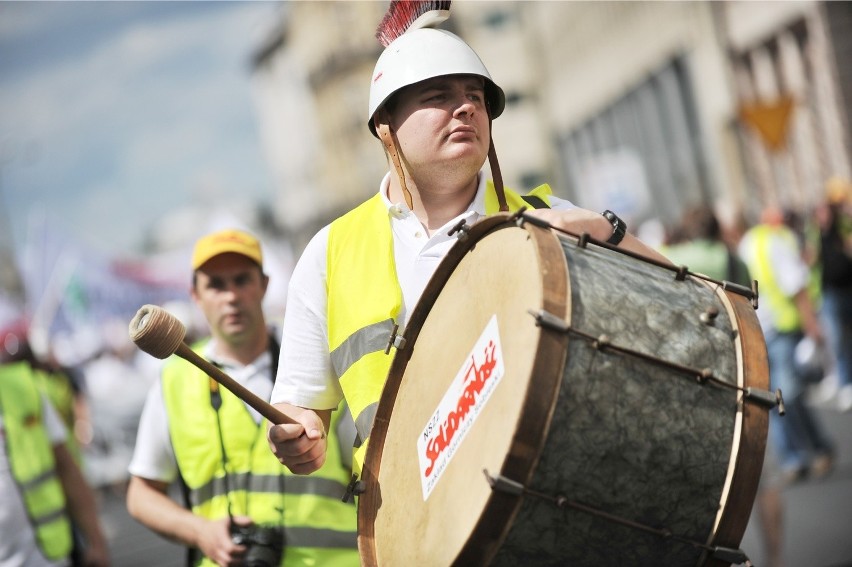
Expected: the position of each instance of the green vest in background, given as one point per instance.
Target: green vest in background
(319, 529)
(32, 460)
(364, 302)
(785, 314)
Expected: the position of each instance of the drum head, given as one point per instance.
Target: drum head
(460, 400)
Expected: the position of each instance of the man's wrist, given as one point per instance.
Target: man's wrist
(619, 227)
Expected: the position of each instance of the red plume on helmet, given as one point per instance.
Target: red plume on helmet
(404, 15)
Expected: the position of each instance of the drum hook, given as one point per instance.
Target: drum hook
(462, 228)
(395, 340)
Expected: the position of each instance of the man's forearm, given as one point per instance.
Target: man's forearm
(80, 497)
(148, 502)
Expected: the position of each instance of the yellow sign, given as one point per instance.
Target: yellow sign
(770, 120)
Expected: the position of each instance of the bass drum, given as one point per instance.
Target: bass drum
(558, 402)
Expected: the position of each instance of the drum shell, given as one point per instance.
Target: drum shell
(626, 436)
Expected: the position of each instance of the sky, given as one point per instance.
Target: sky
(116, 115)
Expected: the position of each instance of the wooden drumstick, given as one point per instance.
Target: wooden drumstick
(160, 334)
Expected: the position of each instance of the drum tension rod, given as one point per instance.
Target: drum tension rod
(500, 483)
(702, 376)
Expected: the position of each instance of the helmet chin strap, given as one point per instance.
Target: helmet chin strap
(388, 140)
(497, 177)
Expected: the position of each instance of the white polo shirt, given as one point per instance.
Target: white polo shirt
(305, 376)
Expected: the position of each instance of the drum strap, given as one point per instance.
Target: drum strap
(535, 202)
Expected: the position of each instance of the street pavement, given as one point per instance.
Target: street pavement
(817, 528)
(817, 513)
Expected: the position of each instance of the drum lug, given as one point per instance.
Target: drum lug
(355, 488)
(766, 398)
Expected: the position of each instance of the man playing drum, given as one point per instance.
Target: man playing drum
(431, 104)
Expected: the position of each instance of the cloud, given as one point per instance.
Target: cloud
(125, 127)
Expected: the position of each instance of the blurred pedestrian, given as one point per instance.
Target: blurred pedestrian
(240, 504)
(42, 489)
(770, 509)
(771, 252)
(702, 249)
(834, 261)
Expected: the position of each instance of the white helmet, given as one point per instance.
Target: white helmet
(424, 53)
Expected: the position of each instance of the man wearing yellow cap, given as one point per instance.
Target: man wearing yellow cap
(239, 503)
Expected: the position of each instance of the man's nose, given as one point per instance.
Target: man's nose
(464, 106)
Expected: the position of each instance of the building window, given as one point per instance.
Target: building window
(640, 156)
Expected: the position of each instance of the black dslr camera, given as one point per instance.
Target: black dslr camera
(265, 544)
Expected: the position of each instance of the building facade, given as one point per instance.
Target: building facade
(642, 107)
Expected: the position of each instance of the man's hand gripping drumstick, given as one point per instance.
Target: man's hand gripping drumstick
(298, 441)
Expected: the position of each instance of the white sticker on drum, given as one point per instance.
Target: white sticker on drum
(460, 406)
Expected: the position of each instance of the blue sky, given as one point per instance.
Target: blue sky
(115, 114)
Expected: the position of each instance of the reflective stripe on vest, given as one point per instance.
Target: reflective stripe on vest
(364, 302)
(785, 314)
(31, 459)
(318, 527)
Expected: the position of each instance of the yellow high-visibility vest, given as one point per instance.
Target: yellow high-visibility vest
(785, 314)
(32, 460)
(365, 299)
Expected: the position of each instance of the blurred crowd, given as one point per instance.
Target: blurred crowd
(803, 266)
(822, 241)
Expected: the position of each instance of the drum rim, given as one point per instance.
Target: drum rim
(746, 465)
(495, 521)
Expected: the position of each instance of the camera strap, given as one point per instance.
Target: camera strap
(216, 402)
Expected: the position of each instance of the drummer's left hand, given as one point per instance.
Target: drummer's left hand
(578, 221)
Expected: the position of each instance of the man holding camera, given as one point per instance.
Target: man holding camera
(240, 505)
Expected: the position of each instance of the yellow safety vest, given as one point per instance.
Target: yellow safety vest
(364, 302)
(319, 528)
(785, 314)
(32, 461)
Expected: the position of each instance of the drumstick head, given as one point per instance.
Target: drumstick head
(156, 331)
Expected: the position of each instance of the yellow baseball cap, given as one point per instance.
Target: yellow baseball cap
(230, 240)
(838, 190)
